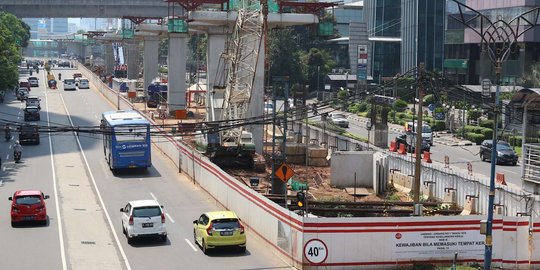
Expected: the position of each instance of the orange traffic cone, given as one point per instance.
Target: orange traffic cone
(402, 149)
(427, 157)
(393, 147)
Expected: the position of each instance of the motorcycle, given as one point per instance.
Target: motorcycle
(17, 156)
(8, 136)
(59, 76)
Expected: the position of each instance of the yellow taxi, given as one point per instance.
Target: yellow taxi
(219, 229)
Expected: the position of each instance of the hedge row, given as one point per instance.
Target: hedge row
(475, 137)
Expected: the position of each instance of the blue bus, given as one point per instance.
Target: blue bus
(126, 139)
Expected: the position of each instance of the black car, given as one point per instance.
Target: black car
(29, 133)
(409, 140)
(505, 153)
(31, 113)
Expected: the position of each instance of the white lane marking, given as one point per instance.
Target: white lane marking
(169, 217)
(4, 168)
(10, 147)
(7, 156)
(508, 171)
(124, 257)
(191, 245)
(56, 199)
(167, 214)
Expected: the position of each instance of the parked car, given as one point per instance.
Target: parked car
(143, 218)
(29, 133)
(33, 81)
(69, 84)
(83, 83)
(31, 113)
(77, 75)
(28, 205)
(22, 93)
(505, 153)
(409, 140)
(339, 119)
(219, 229)
(33, 101)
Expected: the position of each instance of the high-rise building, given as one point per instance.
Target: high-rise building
(403, 34)
(467, 63)
(42, 27)
(383, 18)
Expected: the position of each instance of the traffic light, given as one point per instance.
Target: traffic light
(300, 199)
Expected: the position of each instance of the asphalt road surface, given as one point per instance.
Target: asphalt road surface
(84, 231)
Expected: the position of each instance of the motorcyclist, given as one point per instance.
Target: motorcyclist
(17, 149)
(59, 76)
(7, 131)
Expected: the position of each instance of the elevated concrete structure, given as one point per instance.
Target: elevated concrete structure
(218, 25)
(86, 8)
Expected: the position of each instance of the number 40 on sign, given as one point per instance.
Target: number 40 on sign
(315, 251)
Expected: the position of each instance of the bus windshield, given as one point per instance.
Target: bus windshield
(130, 133)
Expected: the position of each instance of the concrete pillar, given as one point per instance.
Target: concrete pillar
(215, 46)
(150, 59)
(132, 59)
(82, 52)
(177, 72)
(256, 106)
(109, 58)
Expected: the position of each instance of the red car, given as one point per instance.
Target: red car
(28, 205)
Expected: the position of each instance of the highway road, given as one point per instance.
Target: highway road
(84, 231)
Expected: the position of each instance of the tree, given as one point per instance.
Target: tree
(14, 34)
(316, 63)
(284, 55)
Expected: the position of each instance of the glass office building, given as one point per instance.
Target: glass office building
(403, 34)
(466, 63)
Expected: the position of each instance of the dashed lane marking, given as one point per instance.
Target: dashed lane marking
(191, 245)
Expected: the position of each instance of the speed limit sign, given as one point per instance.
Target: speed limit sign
(315, 251)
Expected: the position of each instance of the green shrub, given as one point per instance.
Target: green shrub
(474, 137)
(438, 125)
(487, 132)
(429, 99)
(489, 123)
(401, 115)
(486, 123)
(362, 107)
(353, 108)
(400, 105)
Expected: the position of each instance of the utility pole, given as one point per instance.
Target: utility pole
(418, 148)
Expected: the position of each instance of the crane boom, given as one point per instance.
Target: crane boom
(242, 55)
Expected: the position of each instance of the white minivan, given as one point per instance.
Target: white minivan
(143, 218)
(69, 84)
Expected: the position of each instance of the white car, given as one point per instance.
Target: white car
(69, 84)
(339, 119)
(84, 83)
(143, 218)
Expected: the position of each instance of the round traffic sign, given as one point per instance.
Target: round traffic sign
(315, 251)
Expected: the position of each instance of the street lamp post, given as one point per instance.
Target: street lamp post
(498, 38)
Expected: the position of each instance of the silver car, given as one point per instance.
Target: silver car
(339, 119)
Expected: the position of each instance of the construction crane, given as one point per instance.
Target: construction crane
(233, 146)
